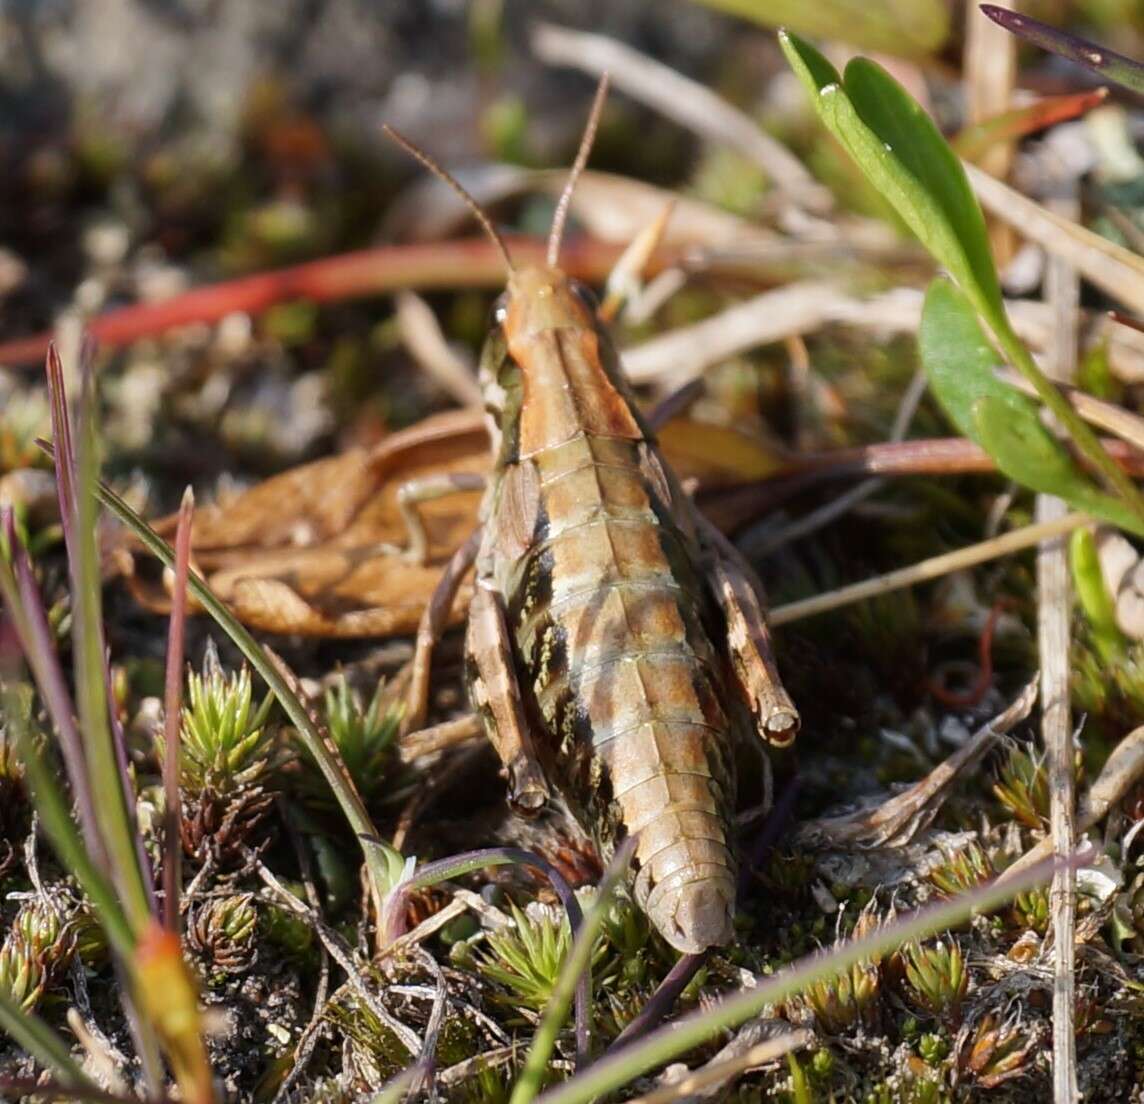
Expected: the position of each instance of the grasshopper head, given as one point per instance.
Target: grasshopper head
(540, 298)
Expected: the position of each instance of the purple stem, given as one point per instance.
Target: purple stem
(63, 453)
(661, 1001)
(771, 832)
(1107, 63)
(39, 649)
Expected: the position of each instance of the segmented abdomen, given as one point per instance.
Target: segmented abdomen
(627, 692)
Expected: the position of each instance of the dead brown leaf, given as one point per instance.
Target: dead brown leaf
(312, 551)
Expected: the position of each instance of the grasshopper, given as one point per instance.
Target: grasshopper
(616, 643)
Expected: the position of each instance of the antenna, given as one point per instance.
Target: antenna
(561, 216)
(441, 174)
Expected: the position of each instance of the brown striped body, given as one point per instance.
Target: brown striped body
(616, 641)
(590, 543)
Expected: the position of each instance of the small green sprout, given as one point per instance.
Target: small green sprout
(22, 973)
(847, 999)
(365, 738)
(48, 932)
(1022, 786)
(962, 871)
(933, 1048)
(1031, 910)
(228, 758)
(935, 978)
(526, 959)
(996, 1052)
(222, 933)
(226, 745)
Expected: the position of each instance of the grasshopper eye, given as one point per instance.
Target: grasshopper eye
(586, 296)
(499, 311)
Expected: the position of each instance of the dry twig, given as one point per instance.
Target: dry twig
(1053, 613)
(895, 822)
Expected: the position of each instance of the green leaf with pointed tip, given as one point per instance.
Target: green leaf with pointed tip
(905, 28)
(896, 144)
(1028, 453)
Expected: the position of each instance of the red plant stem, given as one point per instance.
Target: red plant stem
(972, 695)
(924, 456)
(1009, 125)
(172, 706)
(472, 262)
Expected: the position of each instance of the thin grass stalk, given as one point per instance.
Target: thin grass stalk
(383, 864)
(675, 1039)
(1107, 63)
(577, 966)
(26, 612)
(172, 706)
(661, 1001)
(79, 855)
(42, 1043)
(52, 807)
(103, 764)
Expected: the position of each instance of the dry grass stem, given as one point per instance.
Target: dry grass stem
(421, 334)
(808, 306)
(718, 1074)
(933, 568)
(896, 821)
(689, 103)
(1054, 611)
(1115, 270)
(990, 72)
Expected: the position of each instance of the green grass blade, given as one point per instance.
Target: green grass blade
(959, 361)
(384, 864)
(902, 153)
(1092, 593)
(904, 28)
(578, 965)
(960, 364)
(112, 809)
(1027, 452)
(42, 1043)
(668, 1043)
(900, 150)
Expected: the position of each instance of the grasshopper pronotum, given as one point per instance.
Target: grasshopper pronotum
(616, 641)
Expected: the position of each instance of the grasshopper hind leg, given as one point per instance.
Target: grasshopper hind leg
(737, 592)
(433, 622)
(496, 698)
